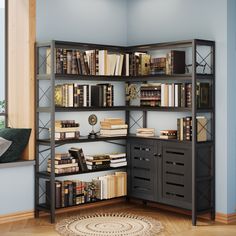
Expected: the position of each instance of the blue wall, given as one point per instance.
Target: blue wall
(153, 21)
(100, 21)
(17, 189)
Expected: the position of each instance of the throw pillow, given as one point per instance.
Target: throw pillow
(19, 138)
(4, 145)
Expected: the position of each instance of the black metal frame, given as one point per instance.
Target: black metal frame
(51, 144)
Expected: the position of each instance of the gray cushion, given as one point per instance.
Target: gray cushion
(4, 145)
(19, 138)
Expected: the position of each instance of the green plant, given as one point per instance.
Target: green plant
(2, 122)
(2, 106)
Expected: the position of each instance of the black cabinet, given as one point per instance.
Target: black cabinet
(161, 171)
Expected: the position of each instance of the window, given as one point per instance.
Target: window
(3, 81)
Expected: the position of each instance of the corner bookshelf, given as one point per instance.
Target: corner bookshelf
(199, 162)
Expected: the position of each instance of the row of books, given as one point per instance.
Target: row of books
(111, 127)
(75, 192)
(184, 128)
(166, 95)
(144, 64)
(102, 161)
(174, 95)
(102, 62)
(75, 95)
(90, 62)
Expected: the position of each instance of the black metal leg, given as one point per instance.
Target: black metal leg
(36, 213)
(194, 220)
(213, 215)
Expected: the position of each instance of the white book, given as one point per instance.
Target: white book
(170, 94)
(176, 95)
(121, 64)
(127, 64)
(120, 164)
(71, 95)
(118, 160)
(162, 95)
(102, 57)
(111, 64)
(85, 96)
(117, 65)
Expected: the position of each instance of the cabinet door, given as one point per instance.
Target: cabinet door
(143, 168)
(176, 175)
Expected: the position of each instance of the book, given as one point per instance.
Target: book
(97, 157)
(62, 166)
(113, 131)
(105, 125)
(117, 155)
(117, 160)
(58, 200)
(175, 62)
(119, 164)
(78, 154)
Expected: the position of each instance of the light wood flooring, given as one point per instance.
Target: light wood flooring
(174, 223)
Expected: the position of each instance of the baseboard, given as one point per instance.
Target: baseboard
(226, 218)
(23, 215)
(30, 214)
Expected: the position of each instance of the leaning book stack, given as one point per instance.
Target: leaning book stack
(64, 164)
(113, 127)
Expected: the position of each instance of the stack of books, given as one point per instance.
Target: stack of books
(145, 132)
(97, 162)
(64, 164)
(66, 129)
(111, 186)
(184, 128)
(112, 127)
(168, 134)
(118, 159)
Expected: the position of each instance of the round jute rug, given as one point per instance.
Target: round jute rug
(109, 224)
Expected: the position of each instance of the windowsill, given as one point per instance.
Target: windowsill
(16, 164)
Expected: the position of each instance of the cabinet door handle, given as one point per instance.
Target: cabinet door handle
(157, 155)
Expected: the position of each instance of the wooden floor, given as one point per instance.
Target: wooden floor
(174, 224)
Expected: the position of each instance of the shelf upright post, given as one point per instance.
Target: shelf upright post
(213, 134)
(52, 138)
(127, 112)
(194, 135)
(36, 201)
